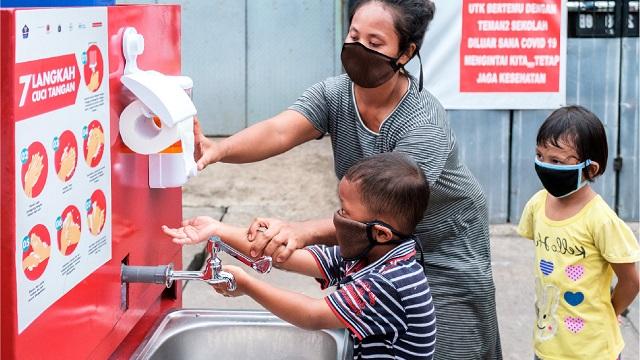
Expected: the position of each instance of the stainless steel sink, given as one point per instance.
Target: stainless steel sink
(238, 334)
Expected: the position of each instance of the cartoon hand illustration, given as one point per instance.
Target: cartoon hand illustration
(30, 262)
(70, 234)
(96, 140)
(67, 163)
(33, 173)
(40, 252)
(547, 297)
(94, 81)
(96, 219)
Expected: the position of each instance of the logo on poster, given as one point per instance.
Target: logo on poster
(25, 32)
(46, 84)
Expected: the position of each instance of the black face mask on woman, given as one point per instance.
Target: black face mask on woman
(368, 68)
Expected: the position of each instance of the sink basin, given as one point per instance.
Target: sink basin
(238, 334)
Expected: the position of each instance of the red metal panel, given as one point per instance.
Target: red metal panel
(88, 320)
(8, 319)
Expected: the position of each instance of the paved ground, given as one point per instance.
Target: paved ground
(301, 185)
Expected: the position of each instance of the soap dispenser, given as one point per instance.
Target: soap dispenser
(159, 123)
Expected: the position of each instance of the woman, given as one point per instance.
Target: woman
(377, 107)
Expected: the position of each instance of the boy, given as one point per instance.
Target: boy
(382, 293)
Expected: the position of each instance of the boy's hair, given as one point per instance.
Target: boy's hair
(392, 184)
(576, 125)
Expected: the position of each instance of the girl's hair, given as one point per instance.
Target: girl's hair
(576, 125)
(392, 184)
(411, 19)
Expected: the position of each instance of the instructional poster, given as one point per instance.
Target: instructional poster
(497, 54)
(510, 46)
(63, 165)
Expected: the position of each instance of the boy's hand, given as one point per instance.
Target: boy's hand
(241, 278)
(193, 231)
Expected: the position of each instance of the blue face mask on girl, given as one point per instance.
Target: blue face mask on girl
(561, 180)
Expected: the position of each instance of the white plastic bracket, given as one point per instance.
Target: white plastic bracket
(132, 46)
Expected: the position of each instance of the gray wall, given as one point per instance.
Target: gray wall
(483, 138)
(250, 59)
(629, 183)
(290, 46)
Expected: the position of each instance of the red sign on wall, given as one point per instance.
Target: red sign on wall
(45, 85)
(510, 46)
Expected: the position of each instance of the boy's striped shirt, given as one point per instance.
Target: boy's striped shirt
(386, 305)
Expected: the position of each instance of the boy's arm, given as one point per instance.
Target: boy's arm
(300, 310)
(627, 287)
(201, 228)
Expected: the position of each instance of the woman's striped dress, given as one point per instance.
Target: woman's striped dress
(454, 232)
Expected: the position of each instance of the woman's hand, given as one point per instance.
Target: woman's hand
(279, 239)
(206, 151)
(193, 231)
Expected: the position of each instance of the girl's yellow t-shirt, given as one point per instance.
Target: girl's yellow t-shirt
(575, 317)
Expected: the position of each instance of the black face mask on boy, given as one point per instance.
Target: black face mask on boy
(356, 239)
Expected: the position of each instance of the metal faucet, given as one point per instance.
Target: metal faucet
(212, 273)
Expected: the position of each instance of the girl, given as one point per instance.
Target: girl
(579, 243)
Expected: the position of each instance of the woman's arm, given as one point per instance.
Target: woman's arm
(281, 238)
(627, 287)
(257, 142)
(299, 261)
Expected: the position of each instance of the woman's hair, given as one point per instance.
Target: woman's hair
(392, 184)
(411, 19)
(577, 126)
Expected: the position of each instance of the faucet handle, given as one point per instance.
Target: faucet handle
(262, 264)
(213, 245)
